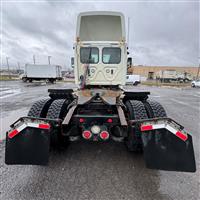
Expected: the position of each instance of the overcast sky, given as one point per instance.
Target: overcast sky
(161, 33)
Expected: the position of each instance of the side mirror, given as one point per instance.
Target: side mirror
(129, 62)
(72, 62)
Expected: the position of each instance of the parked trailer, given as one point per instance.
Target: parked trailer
(166, 75)
(100, 109)
(173, 75)
(50, 73)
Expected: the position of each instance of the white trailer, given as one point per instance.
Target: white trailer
(49, 73)
(173, 75)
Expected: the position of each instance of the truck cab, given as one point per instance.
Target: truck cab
(100, 49)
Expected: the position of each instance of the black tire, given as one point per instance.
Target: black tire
(58, 110)
(30, 80)
(39, 108)
(51, 80)
(136, 110)
(154, 109)
(24, 79)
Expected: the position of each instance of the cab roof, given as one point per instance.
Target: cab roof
(100, 26)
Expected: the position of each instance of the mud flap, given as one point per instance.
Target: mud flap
(30, 146)
(165, 151)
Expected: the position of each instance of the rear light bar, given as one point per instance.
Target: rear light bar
(16, 131)
(148, 127)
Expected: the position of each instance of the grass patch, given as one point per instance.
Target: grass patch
(159, 84)
(7, 78)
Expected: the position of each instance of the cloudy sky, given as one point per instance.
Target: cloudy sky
(161, 32)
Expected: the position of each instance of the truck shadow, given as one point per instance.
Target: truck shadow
(85, 171)
(107, 167)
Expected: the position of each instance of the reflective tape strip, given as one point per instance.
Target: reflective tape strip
(41, 125)
(33, 125)
(179, 134)
(23, 126)
(158, 126)
(146, 127)
(13, 133)
(171, 129)
(20, 128)
(16, 131)
(44, 126)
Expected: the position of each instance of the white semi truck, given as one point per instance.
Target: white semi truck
(49, 73)
(100, 109)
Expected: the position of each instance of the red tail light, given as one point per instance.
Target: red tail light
(104, 135)
(81, 120)
(109, 120)
(87, 135)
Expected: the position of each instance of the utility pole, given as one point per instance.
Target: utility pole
(34, 59)
(198, 69)
(18, 65)
(8, 67)
(128, 30)
(49, 59)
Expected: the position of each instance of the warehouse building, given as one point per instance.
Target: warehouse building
(150, 71)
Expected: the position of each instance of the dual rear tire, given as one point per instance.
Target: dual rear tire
(52, 109)
(137, 110)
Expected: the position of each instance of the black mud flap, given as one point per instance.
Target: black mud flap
(165, 151)
(30, 146)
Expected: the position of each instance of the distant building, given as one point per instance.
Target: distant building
(150, 71)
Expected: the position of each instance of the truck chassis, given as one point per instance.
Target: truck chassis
(100, 115)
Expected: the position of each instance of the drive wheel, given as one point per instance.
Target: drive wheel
(136, 111)
(193, 85)
(154, 109)
(58, 110)
(39, 108)
(24, 79)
